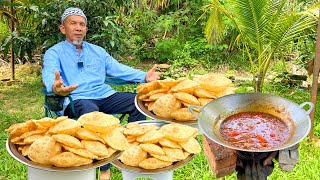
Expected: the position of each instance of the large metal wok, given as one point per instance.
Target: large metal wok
(294, 115)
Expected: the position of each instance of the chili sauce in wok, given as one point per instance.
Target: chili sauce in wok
(254, 130)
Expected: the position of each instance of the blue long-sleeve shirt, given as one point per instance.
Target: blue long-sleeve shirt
(88, 69)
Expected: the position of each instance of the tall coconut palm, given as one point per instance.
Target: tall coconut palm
(264, 29)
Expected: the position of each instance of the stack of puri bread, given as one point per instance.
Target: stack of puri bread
(154, 147)
(170, 98)
(64, 142)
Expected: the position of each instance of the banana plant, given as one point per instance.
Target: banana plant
(263, 29)
(5, 12)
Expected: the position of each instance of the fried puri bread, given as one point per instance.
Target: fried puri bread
(191, 146)
(183, 114)
(164, 106)
(132, 125)
(178, 132)
(24, 150)
(169, 143)
(164, 157)
(154, 163)
(99, 122)
(187, 98)
(152, 136)
(187, 86)
(49, 122)
(214, 82)
(27, 134)
(116, 139)
(152, 148)
(174, 153)
(133, 156)
(164, 89)
(21, 128)
(86, 134)
(32, 138)
(67, 126)
(96, 147)
(204, 101)
(203, 93)
(156, 96)
(81, 152)
(227, 91)
(43, 149)
(68, 159)
(139, 130)
(147, 87)
(169, 82)
(67, 140)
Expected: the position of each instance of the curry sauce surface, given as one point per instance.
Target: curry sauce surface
(254, 130)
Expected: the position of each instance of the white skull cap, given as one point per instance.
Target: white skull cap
(72, 11)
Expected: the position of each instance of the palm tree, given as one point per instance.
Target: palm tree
(264, 29)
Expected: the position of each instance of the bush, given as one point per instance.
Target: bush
(164, 50)
(4, 30)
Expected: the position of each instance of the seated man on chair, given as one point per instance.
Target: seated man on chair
(78, 68)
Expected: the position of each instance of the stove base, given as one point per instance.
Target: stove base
(159, 176)
(38, 174)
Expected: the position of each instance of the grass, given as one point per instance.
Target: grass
(23, 100)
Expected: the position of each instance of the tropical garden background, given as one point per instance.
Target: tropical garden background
(256, 39)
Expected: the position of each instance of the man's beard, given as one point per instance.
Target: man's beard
(76, 42)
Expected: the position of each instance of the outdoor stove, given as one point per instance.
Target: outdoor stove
(248, 165)
(223, 156)
(254, 165)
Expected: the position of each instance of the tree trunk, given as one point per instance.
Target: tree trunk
(257, 83)
(12, 43)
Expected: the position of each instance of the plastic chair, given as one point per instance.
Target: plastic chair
(53, 104)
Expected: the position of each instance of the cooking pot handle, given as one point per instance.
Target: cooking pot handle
(192, 112)
(310, 105)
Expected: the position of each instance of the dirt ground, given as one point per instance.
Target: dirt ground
(30, 68)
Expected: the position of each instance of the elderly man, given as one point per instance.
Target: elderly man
(79, 68)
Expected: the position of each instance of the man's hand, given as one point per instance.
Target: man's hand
(58, 87)
(152, 74)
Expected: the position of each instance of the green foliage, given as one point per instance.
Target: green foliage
(21, 45)
(165, 36)
(264, 29)
(10, 167)
(304, 50)
(38, 25)
(173, 35)
(306, 167)
(183, 57)
(165, 23)
(316, 127)
(139, 26)
(4, 30)
(164, 49)
(110, 37)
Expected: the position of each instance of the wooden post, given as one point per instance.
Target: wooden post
(316, 67)
(11, 49)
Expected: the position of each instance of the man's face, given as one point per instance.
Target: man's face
(75, 29)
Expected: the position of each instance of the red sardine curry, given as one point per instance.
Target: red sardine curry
(254, 130)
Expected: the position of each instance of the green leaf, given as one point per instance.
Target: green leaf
(112, 43)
